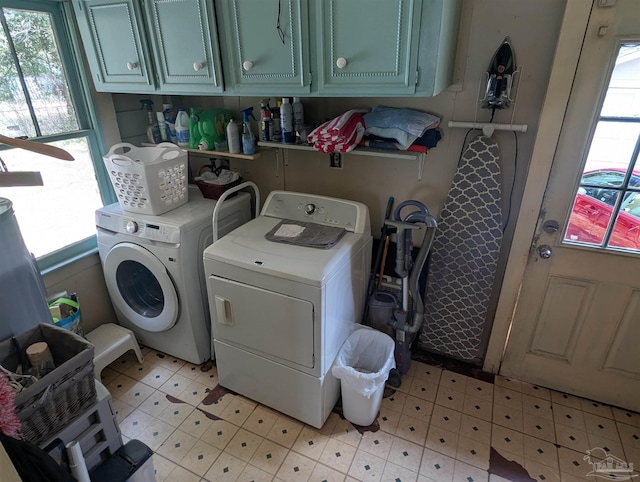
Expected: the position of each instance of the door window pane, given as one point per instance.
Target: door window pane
(606, 209)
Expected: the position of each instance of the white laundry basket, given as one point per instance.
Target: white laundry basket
(148, 180)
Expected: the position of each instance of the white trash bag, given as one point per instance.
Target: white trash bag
(364, 360)
(362, 365)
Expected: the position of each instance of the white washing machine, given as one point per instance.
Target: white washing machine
(153, 270)
(281, 312)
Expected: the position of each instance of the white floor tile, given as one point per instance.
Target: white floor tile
(437, 466)
(225, 468)
(296, 467)
(396, 473)
(366, 467)
(405, 454)
(322, 473)
(311, 443)
(443, 441)
(464, 472)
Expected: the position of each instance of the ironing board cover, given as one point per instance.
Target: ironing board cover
(464, 256)
(301, 233)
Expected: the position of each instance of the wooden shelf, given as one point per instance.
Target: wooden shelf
(358, 151)
(215, 153)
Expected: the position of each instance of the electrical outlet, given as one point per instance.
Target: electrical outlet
(336, 160)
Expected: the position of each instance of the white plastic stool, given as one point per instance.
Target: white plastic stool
(111, 341)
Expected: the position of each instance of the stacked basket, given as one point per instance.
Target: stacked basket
(59, 397)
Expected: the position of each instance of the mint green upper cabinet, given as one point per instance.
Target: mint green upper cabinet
(438, 43)
(266, 51)
(184, 37)
(115, 44)
(368, 46)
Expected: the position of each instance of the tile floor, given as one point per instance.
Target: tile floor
(439, 426)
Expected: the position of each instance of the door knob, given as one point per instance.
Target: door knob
(341, 62)
(247, 65)
(197, 66)
(132, 65)
(544, 251)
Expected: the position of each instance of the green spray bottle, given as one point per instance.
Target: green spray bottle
(248, 139)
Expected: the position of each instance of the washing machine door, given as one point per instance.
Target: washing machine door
(140, 287)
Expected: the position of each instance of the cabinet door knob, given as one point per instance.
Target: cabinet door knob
(132, 65)
(341, 62)
(247, 65)
(197, 66)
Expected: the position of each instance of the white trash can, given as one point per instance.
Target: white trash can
(363, 365)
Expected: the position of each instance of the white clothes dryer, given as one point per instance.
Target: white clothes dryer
(154, 274)
(281, 312)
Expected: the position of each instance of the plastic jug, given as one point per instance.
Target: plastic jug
(248, 139)
(182, 128)
(286, 121)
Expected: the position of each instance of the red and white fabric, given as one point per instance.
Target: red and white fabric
(341, 134)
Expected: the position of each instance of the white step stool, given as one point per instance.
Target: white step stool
(111, 341)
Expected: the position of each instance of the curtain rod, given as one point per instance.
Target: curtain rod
(489, 127)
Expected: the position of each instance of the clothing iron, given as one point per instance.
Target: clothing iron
(500, 78)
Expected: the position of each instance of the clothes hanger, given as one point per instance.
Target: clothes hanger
(37, 147)
(25, 178)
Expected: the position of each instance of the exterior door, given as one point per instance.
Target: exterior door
(576, 326)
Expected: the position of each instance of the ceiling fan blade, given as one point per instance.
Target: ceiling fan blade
(37, 147)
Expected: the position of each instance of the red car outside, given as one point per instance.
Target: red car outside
(593, 208)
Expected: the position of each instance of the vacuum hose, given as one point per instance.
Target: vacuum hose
(404, 261)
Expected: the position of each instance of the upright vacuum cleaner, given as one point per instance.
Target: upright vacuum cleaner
(405, 319)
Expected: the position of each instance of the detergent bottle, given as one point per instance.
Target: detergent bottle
(286, 121)
(182, 128)
(153, 131)
(248, 139)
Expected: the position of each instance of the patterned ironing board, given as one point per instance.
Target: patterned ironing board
(464, 256)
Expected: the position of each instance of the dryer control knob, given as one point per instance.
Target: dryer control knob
(131, 227)
(310, 208)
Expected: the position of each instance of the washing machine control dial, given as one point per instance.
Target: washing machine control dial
(310, 209)
(131, 227)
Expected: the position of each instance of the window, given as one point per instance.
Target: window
(42, 97)
(606, 210)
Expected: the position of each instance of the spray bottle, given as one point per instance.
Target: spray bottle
(248, 139)
(265, 120)
(276, 131)
(153, 131)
